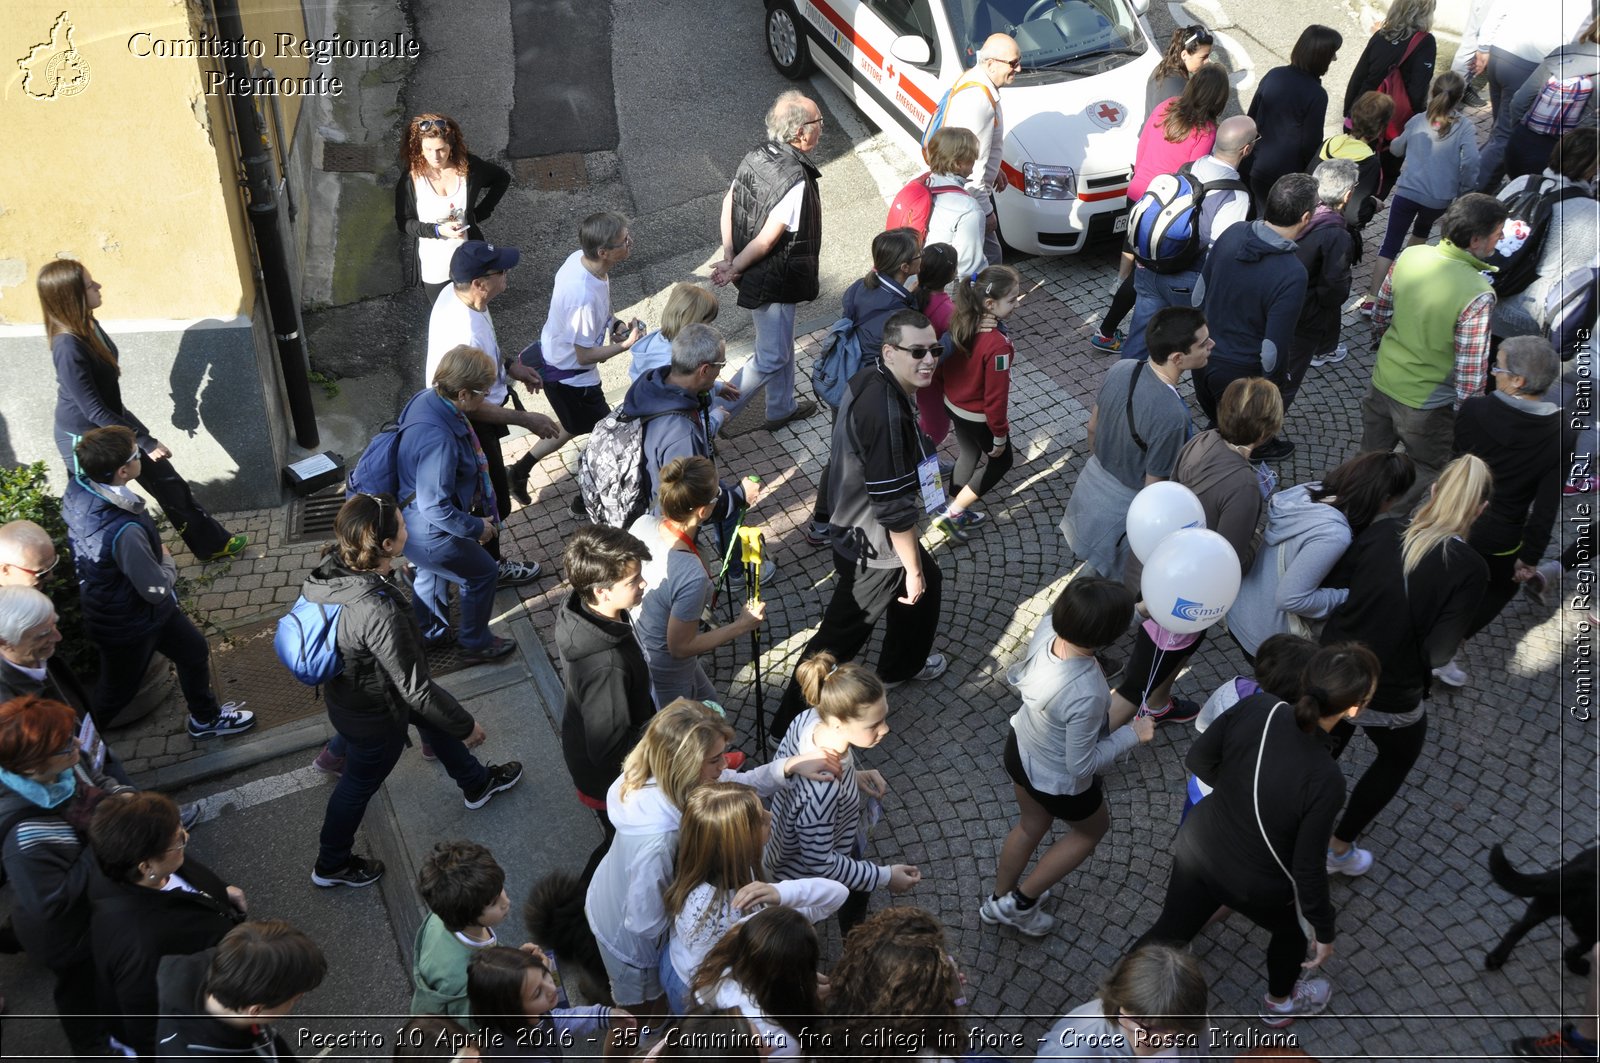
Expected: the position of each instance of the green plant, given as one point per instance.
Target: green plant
(329, 385)
(25, 494)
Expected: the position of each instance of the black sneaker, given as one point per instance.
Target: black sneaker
(1178, 710)
(357, 873)
(517, 479)
(802, 409)
(577, 508)
(1111, 666)
(496, 649)
(1274, 449)
(501, 777)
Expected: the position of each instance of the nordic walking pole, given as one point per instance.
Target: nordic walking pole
(750, 555)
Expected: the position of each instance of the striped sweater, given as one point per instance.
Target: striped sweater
(814, 824)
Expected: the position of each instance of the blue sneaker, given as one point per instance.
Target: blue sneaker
(1111, 344)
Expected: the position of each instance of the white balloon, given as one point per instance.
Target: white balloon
(1191, 580)
(1159, 510)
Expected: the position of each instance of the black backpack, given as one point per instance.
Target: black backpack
(1164, 225)
(1516, 256)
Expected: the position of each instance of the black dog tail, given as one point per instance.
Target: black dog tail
(1516, 882)
(554, 915)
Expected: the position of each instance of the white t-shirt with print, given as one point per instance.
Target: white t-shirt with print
(454, 323)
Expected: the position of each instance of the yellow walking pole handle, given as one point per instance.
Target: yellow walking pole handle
(750, 554)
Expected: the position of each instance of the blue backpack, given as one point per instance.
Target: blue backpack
(377, 471)
(1164, 225)
(936, 122)
(307, 641)
(837, 361)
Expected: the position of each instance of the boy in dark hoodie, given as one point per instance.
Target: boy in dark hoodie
(1325, 249)
(218, 1004)
(1251, 289)
(603, 666)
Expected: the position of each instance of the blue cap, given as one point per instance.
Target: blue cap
(474, 258)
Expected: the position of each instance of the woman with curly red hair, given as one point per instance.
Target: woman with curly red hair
(443, 195)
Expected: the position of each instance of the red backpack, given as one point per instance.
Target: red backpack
(913, 205)
(1393, 86)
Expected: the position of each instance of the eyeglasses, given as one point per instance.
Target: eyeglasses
(716, 365)
(70, 747)
(817, 121)
(1197, 36)
(38, 573)
(1495, 369)
(626, 241)
(183, 842)
(919, 353)
(1014, 64)
(432, 125)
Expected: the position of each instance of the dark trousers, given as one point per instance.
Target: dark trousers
(1121, 303)
(430, 292)
(368, 761)
(1212, 379)
(1193, 897)
(1294, 364)
(1144, 671)
(1398, 749)
(1502, 587)
(489, 437)
(820, 511)
(852, 911)
(859, 601)
(76, 1007)
(199, 530)
(123, 664)
(975, 439)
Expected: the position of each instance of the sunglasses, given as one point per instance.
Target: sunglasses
(919, 353)
(433, 125)
(40, 573)
(1197, 36)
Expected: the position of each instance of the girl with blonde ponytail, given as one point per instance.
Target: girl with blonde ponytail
(1414, 587)
(817, 823)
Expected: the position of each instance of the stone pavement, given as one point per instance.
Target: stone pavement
(1504, 763)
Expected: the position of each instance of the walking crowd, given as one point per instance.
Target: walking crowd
(1357, 593)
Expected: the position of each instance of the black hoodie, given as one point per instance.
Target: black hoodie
(385, 684)
(1522, 443)
(185, 1031)
(609, 703)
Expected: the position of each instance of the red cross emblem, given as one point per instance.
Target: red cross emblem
(1108, 112)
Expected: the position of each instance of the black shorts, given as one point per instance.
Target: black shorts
(1074, 808)
(578, 408)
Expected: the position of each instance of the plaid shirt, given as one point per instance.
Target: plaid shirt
(1471, 337)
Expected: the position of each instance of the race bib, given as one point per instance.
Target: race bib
(933, 497)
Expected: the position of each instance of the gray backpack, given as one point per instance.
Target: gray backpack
(611, 470)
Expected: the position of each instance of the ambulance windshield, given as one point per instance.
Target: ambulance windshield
(1053, 34)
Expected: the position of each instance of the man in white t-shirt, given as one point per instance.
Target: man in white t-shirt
(461, 316)
(771, 242)
(975, 105)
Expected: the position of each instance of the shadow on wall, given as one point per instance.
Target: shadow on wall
(215, 389)
(8, 453)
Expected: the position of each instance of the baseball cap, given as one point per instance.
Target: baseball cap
(474, 258)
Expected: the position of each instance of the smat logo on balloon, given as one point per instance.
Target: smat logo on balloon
(1184, 609)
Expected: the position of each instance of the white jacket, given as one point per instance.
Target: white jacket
(706, 917)
(958, 221)
(971, 109)
(624, 901)
(730, 994)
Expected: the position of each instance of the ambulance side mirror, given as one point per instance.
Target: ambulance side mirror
(912, 49)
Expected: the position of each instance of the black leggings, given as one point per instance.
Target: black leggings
(1193, 897)
(1121, 303)
(975, 439)
(852, 911)
(1398, 749)
(1136, 676)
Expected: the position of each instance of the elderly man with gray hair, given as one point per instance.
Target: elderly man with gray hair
(771, 243)
(1325, 249)
(674, 402)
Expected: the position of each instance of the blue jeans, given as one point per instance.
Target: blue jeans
(368, 761)
(443, 559)
(772, 363)
(1154, 291)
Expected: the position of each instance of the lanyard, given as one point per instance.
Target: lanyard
(690, 543)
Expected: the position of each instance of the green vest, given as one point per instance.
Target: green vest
(1416, 364)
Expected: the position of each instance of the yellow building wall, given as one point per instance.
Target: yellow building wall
(121, 159)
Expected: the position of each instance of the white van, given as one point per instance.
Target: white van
(1072, 115)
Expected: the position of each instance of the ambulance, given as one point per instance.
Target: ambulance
(1072, 115)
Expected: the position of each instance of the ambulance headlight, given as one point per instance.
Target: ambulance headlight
(1049, 182)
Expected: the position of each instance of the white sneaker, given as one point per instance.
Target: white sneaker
(932, 669)
(1452, 674)
(1547, 574)
(1035, 922)
(1310, 997)
(1354, 862)
(1333, 357)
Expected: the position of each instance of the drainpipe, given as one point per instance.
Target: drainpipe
(263, 212)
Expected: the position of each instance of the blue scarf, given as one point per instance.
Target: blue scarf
(45, 795)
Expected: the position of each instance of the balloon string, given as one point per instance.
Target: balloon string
(1150, 680)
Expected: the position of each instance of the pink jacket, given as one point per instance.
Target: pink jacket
(1157, 155)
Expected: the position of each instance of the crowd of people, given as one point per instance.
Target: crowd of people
(700, 902)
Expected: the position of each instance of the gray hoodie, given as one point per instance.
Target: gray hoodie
(1064, 738)
(1303, 541)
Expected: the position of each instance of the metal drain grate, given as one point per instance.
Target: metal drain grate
(352, 158)
(554, 173)
(311, 518)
